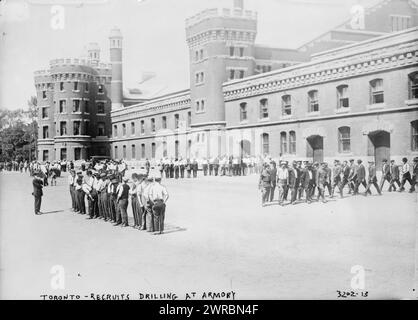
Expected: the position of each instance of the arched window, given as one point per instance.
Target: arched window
(376, 91)
(176, 149)
(124, 129)
(413, 85)
(153, 150)
(286, 105)
(164, 149)
(123, 152)
(243, 111)
(283, 142)
(292, 142)
(313, 103)
(414, 135)
(133, 152)
(342, 97)
(344, 140)
(265, 144)
(264, 109)
(143, 151)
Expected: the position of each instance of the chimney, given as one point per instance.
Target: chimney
(239, 4)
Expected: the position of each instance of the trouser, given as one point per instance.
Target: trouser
(236, 168)
(90, 202)
(158, 211)
(123, 213)
(95, 203)
(265, 193)
(73, 199)
(167, 173)
(205, 170)
(189, 173)
(293, 194)
(149, 217)
(372, 182)
(210, 169)
(194, 173)
(273, 187)
(223, 170)
(142, 217)
(286, 192)
(406, 177)
(104, 202)
(114, 210)
(216, 169)
(383, 180)
(135, 210)
(282, 189)
(304, 190)
(37, 204)
(357, 185)
(182, 172)
(327, 185)
(392, 184)
(176, 172)
(171, 172)
(80, 201)
(321, 191)
(336, 183)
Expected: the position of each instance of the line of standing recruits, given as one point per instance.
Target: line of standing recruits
(108, 198)
(302, 180)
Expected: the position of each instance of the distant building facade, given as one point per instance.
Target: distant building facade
(243, 97)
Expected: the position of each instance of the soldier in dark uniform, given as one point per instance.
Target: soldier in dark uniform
(305, 182)
(372, 179)
(314, 182)
(123, 198)
(386, 176)
(336, 178)
(264, 184)
(195, 167)
(361, 177)
(394, 176)
(352, 177)
(273, 177)
(294, 179)
(216, 166)
(414, 174)
(189, 168)
(37, 193)
(81, 205)
(345, 171)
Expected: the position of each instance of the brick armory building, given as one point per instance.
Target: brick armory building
(246, 98)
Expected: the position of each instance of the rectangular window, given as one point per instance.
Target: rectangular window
(264, 109)
(152, 125)
(241, 74)
(343, 101)
(45, 155)
(76, 105)
(100, 88)
(413, 85)
(45, 132)
(76, 86)
(101, 129)
(123, 129)
(153, 150)
(202, 105)
(44, 112)
(286, 105)
(241, 52)
(243, 111)
(100, 108)
(77, 153)
(115, 156)
(63, 128)
(292, 142)
(399, 23)
(164, 149)
(231, 74)
(44, 94)
(86, 127)
(76, 128)
(414, 135)
(86, 87)
(61, 86)
(283, 143)
(142, 126)
(176, 149)
(86, 107)
(377, 95)
(231, 51)
(313, 101)
(132, 128)
(344, 141)
(63, 154)
(63, 106)
(164, 122)
(176, 121)
(115, 131)
(133, 152)
(124, 152)
(197, 106)
(189, 119)
(265, 144)
(143, 151)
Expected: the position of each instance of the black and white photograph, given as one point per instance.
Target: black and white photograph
(208, 150)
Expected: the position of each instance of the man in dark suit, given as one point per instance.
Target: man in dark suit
(38, 184)
(336, 178)
(394, 176)
(305, 181)
(372, 179)
(386, 176)
(314, 170)
(361, 177)
(294, 179)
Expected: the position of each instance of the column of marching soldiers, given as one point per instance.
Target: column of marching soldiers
(310, 181)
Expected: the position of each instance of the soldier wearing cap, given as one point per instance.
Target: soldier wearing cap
(336, 178)
(386, 176)
(345, 172)
(372, 179)
(321, 178)
(122, 199)
(158, 196)
(305, 178)
(394, 176)
(361, 176)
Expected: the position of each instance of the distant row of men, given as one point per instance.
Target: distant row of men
(304, 179)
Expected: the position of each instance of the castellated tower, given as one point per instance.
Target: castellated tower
(115, 38)
(93, 50)
(221, 48)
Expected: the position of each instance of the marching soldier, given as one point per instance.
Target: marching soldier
(321, 178)
(336, 178)
(205, 166)
(264, 184)
(37, 193)
(394, 176)
(305, 178)
(406, 175)
(372, 179)
(345, 171)
(414, 174)
(282, 181)
(273, 177)
(352, 178)
(386, 176)
(294, 179)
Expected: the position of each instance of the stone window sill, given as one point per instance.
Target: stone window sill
(376, 106)
(343, 110)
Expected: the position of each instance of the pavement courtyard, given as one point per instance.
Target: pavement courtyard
(218, 239)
